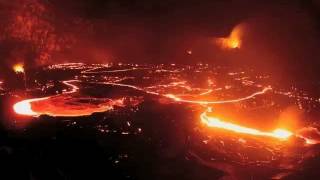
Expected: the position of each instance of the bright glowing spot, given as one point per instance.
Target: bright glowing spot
(218, 123)
(24, 107)
(171, 96)
(282, 133)
(234, 40)
(18, 68)
(234, 43)
(229, 43)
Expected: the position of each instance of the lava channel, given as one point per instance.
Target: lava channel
(281, 134)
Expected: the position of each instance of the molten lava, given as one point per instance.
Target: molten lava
(70, 103)
(178, 99)
(218, 123)
(25, 108)
(18, 68)
(65, 105)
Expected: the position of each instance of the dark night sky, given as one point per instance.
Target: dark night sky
(282, 34)
(175, 25)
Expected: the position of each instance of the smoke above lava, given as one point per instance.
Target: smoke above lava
(48, 32)
(234, 40)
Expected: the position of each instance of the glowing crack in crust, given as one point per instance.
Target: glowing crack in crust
(26, 107)
(177, 98)
(69, 104)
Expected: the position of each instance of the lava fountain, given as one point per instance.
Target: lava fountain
(234, 40)
(18, 68)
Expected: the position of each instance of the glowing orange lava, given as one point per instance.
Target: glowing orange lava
(218, 123)
(71, 104)
(234, 40)
(64, 104)
(18, 68)
(178, 99)
(25, 108)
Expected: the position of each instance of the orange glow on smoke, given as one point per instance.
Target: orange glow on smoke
(234, 40)
(281, 134)
(234, 43)
(18, 68)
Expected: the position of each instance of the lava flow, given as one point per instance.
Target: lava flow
(218, 123)
(64, 105)
(25, 108)
(178, 99)
(71, 103)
